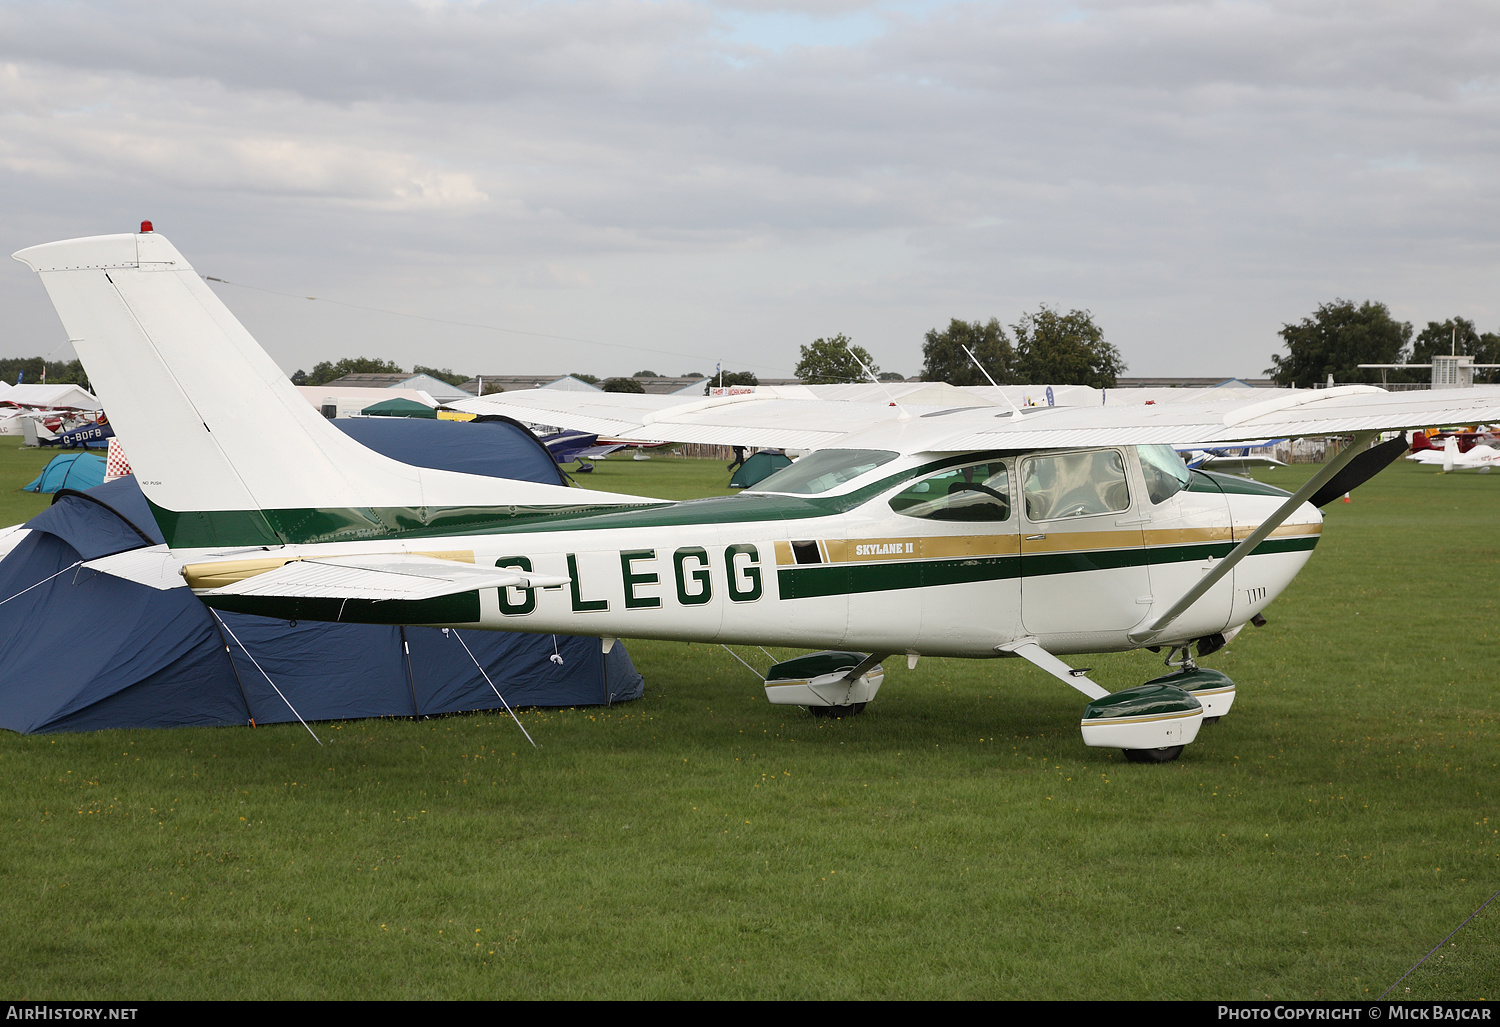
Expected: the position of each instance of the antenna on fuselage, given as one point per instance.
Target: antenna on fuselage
(1013, 411)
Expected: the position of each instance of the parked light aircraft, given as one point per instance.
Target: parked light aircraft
(1481, 455)
(949, 530)
(1230, 459)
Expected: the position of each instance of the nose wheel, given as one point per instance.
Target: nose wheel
(1165, 754)
(837, 711)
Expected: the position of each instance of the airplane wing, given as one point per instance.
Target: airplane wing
(767, 419)
(395, 576)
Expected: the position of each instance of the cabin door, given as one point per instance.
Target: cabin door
(1084, 577)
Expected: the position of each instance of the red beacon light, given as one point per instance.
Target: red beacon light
(146, 227)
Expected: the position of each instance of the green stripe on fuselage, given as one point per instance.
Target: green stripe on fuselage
(809, 581)
(229, 529)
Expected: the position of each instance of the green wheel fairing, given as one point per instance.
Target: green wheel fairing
(813, 665)
(1213, 689)
(1143, 701)
(1195, 680)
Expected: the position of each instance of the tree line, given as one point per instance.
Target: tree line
(30, 370)
(1339, 336)
(326, 371)
(1048, 347)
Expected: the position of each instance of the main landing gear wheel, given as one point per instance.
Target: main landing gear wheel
(837, 711)
(1166, 754)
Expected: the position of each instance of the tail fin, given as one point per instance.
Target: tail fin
(225, 449)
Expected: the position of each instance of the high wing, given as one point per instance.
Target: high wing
(769, 418)
(766, 418)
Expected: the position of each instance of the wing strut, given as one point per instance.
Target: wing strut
(1359, 445)
(865, 666)
(1031, 651)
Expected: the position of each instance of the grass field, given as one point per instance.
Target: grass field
(956, 841)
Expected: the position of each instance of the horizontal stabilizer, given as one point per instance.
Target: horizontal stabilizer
(407, 577)
(150, 565)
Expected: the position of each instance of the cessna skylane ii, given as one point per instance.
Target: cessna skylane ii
(938, 529)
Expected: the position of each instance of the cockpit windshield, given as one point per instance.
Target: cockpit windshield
(824, 470)
(1166, 474)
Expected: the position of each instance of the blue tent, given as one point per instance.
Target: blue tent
(83, 650)
(69, 471)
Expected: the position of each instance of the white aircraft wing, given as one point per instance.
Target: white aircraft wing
(1301, 413)
(765, 418)
(1215, 417)
(394, 576)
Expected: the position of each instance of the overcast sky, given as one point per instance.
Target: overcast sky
(688, 181)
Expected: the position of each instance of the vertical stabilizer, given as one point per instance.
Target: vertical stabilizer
(213, 425)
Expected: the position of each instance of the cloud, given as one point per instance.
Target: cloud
(807, 165)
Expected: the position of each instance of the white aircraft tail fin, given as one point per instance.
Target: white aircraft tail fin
(225, 449)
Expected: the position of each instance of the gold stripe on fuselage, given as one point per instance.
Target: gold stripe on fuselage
(950, 547)
(876, 550)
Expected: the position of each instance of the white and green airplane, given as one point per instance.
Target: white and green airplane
(947, 530)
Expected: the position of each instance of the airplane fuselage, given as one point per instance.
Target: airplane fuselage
(916, 555)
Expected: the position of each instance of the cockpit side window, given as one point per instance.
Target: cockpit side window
(1165, 473)
(1074, 484)
(975, 492)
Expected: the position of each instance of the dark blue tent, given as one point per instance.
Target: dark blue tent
(82, 650)
(492, 445)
